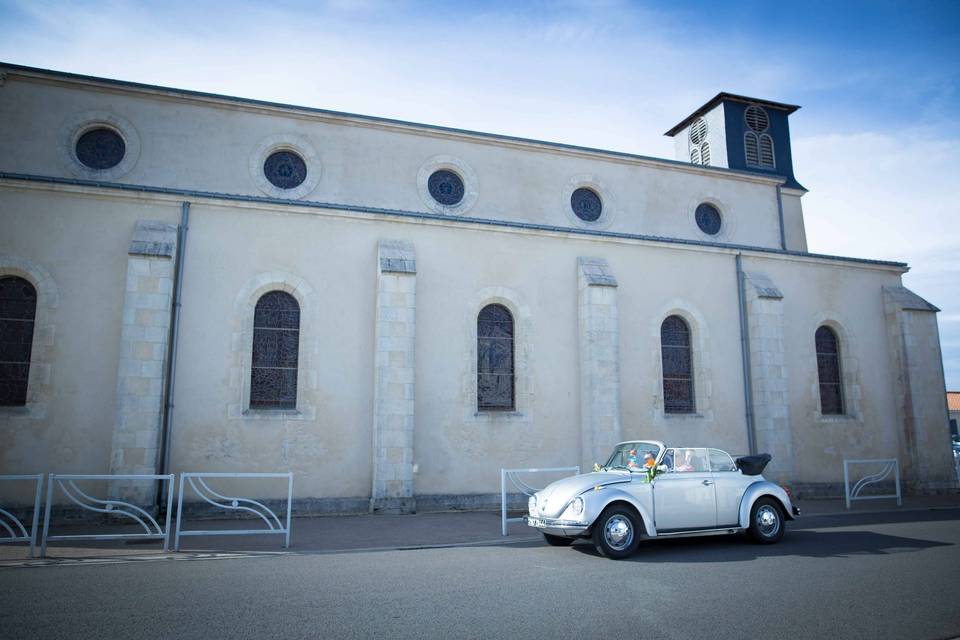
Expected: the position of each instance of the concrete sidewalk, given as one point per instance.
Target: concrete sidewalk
(342, 534)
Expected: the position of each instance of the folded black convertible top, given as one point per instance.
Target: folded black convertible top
(753, 465)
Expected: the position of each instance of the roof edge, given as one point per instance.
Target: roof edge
(732, 97)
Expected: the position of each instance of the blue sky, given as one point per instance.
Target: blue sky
(876, 141)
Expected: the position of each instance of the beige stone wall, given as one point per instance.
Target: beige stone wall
(850, 301)
(794, 230)
(236, 250)
(216, 146)
(81, 244)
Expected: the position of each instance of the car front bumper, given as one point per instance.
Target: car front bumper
(557, 527)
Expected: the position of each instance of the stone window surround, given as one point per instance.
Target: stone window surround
(39, 390)
(295, 143)
(728, 222)
(849, 370)
(522, 366)
(608, 202)
(241, 350)
(702, 374)
(84, 121)
(471, 185)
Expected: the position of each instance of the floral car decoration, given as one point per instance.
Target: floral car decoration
(648, 490)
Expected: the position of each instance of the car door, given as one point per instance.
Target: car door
(684, 496)
(729, 486)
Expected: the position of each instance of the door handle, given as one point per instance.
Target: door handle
(707, 483)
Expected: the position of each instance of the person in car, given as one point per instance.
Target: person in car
(685, 463)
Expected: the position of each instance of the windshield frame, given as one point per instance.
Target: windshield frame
(607, 466)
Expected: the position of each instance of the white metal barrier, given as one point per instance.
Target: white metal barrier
(890, 465)
(16, 532)
(524, 488)
(67, 484)
(197, 482)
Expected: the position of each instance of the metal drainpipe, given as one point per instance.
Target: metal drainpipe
(783, 235)
(167, 422)
(745, 353)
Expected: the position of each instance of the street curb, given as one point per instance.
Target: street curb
(874, 512)
(230, 555)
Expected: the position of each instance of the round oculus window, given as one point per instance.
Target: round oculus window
(100, 148)
(586, 204)
(445, 187)
(285, 169)
(708, 219)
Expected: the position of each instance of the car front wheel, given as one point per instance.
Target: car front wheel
(557, 541)
(766, 521)
(616, 533)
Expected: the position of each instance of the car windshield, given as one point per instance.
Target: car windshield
(632, 455)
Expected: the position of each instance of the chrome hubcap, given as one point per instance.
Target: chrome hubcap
(618, 533)
(768, 521)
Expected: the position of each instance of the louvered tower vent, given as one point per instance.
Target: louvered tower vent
(737, 132)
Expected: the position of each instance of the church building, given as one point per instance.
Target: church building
(395, 311)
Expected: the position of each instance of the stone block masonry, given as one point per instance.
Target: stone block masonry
(143, 351)
(924, 435)
(599, 360)
(771, 407)
(393, 418)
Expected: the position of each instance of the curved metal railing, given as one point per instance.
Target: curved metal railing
(68, 486)
(13, 529)
(198, 484)
(890, 466)
(112, 507)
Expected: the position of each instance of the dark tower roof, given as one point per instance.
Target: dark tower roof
(723, 95)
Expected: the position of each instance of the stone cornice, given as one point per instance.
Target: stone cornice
(140, 193)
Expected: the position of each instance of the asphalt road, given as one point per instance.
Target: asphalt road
(885, 576)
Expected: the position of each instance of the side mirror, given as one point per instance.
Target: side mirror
(662, 469)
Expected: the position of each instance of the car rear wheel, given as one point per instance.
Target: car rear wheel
(557, 541)
(616, 533)
(766, 521)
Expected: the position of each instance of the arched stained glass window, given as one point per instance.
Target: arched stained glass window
(18, 309)
(677, 366)
(276, 345)
(828, 371)
(495, 384)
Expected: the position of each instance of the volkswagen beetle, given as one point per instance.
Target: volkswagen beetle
(646, 490)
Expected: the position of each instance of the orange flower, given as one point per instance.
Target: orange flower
(649, 463)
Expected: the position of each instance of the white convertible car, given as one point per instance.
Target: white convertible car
(648, 490)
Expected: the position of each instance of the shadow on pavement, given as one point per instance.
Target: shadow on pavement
(827, 521)
(802, 543)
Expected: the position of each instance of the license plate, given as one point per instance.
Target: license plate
(536, 522)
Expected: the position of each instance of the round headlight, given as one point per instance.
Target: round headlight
(577, 506)
(532, 503)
